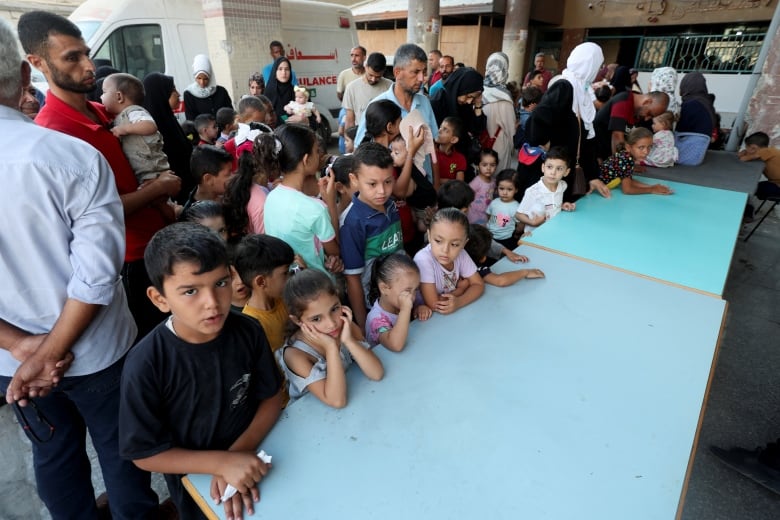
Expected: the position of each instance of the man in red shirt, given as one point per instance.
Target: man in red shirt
(55, 47)
(623, 111)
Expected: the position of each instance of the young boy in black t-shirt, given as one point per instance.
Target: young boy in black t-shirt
(201, 390)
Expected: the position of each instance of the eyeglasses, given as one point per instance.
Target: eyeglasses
(42, 425)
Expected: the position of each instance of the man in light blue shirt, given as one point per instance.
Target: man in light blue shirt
(64, 317)
(409, 69)
(277, 51)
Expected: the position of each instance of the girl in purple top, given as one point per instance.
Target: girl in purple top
(448, 277)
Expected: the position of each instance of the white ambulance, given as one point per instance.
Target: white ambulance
(143, 36)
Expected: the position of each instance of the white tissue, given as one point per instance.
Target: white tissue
(230, 490)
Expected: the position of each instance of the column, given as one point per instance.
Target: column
(515, 40)
(424, 24)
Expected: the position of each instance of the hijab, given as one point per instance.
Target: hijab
(497, 70)
(101, 73)
(581, 68)
(201, 64)
(621, 79)
(158, 88)
(279, 93)
(693, 87)
(664, 79)
(462, 81)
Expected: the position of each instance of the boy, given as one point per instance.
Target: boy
(226, 124)
(372, 227)
(349, 139)
(543, 200)
(206, 125)
(142, 143)
(452, 163)
(341, 169)
(478, 247)
(211, 168)
(757, 147)
(529, 98)
(201, 391)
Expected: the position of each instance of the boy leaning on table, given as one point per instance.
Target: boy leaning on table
(757, 147)
(201, 390)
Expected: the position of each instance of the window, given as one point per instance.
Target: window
(135, 49)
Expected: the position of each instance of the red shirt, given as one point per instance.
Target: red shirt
(450, 164)
(58, 115)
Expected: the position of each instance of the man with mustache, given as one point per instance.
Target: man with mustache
(55, 47)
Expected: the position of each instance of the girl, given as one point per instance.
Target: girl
(300, 109)
(449, 278)
(303, 222)
(256, 84)
(501, 212)
(323, 336)
(206, 213)
(279, 89)
(394, 282)
(483, 186)
(619, 168)
(664, 153)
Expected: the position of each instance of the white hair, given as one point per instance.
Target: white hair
(10, 64)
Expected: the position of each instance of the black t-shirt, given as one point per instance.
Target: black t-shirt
(607, 122)
(194, 396)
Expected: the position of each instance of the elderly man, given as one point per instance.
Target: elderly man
(357, 55)
(539, 65)
(63, 314)
(409, 69)
(360, 93)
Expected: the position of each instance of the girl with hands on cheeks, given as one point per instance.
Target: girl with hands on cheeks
(324, 337)
(448, 276)
(395, 279)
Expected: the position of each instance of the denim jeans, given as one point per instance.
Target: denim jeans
(62, 468)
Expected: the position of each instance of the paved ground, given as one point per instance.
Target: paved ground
(743, 407)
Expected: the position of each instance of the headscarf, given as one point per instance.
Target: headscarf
(664, 79)
(101, 73)
(279, 93)
(693, 87)
(497, 70)
(158, 89)
(581, 68)
(621, 79)
(201, 64)
(464, 80)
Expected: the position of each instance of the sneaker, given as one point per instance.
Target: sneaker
(749, 464)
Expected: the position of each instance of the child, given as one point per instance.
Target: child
(349, 139)
(142, 143)
(483, 186)
(226, 124)
(123, 96)
(324, 337)
(544, 200)
(459, 195)
(301, 107)
(664, 153)
(452, 163)
(206, 126)
(342, 169)
(372, 227)
(618, 169)
(478, 247)
(530, 97)
(206, 213)
(251, 109)
(200, 392)
(448, 277)
(263, 264)
(210, 168)
(757, 147)
(501, 212)
(420, 194)
(188, 127)
(246, 193)
(304, 222)
(394, 282)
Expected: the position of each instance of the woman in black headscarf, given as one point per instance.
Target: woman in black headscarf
(461, 96)
(280, 87)
(160, 99)
(694, 129)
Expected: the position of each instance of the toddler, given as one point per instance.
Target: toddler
(663, 153)
(502, 211)
(618, 169)
(324, 341)
(478, 248)
(483, 186)
(543, 200)
(394, 282)
(302, 107)
(206, 126)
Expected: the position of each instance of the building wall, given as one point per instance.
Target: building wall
(639, 13)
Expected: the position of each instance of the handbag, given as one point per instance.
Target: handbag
(486, 141)
(580, 185)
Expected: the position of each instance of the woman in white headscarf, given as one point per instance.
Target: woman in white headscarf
(204, 96)
(499, 109)
(564, 117)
